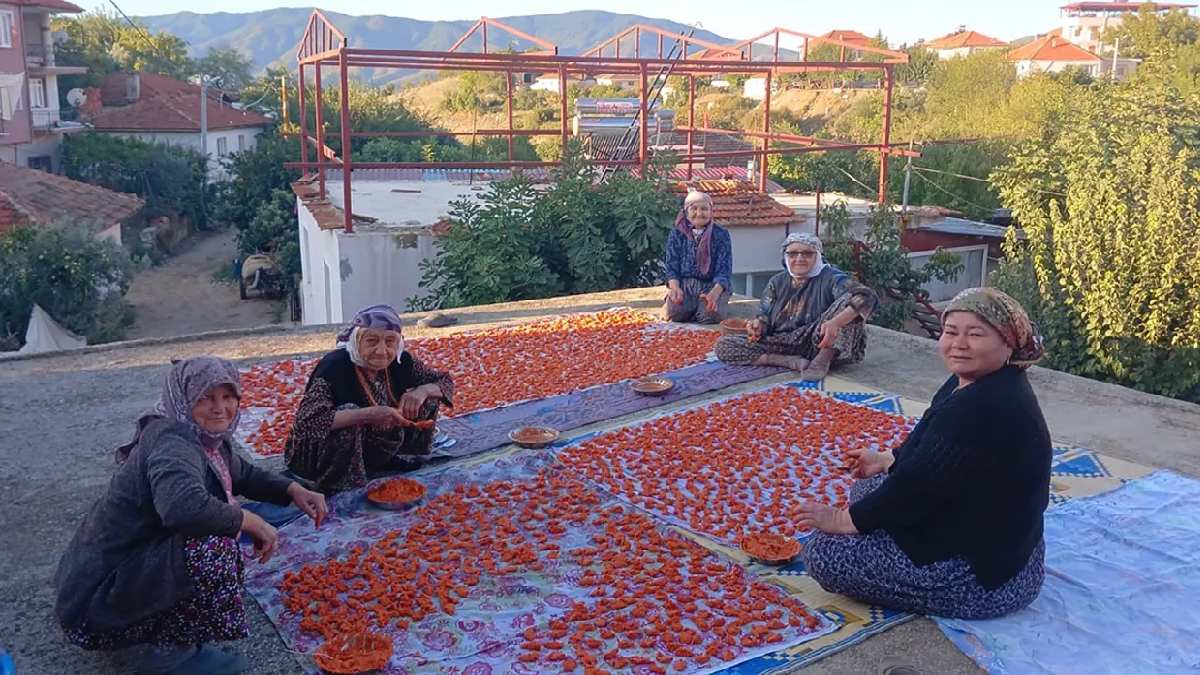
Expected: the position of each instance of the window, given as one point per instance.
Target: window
(37, 92)
(8, 26)
(241, 142)
(222, 146)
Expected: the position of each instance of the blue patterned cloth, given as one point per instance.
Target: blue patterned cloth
(681, 258)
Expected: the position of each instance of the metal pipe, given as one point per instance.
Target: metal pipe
(643, 131)
(887, 134)
(303, 114)
(562, 96)
(320, 122)
(283, 97)
(508, 80)
(691, 122)
(347, 164)
(762, 174)
(361, 166)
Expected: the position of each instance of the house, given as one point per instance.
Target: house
(852, 38)
(963, 42)
(1053, 54)
(33, 198)
(1084, 23)
(31, 127)
(160, 109)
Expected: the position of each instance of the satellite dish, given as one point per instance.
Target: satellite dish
(76, 97)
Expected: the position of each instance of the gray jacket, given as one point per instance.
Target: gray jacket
(126, 562)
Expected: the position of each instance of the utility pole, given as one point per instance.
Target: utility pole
(907, 181)
(1116, 53)
(204, 120)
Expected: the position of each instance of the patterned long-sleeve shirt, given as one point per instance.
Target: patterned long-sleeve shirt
(681, 258)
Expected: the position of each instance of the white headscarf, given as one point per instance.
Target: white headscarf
(810, 240)
(351, 347)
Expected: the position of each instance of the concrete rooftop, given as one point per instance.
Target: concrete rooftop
(62, 416)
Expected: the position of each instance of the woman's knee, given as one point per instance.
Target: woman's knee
(734, 349)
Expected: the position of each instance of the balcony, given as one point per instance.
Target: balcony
(38, 55)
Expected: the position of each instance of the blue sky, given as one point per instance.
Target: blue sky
(900, 21)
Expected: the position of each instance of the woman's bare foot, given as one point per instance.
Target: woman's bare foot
(796, 363)
(819, 368)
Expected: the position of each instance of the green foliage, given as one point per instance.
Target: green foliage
(974, 198)
(518, 242)
(273, 230)
(1109, 197)
(226, 69)
(253, 175)
(78, 280)
(728, 112)
(1150, 34)
(476, 92)
(881, 262)
(920, 67)
(171, 179)
(967, 94)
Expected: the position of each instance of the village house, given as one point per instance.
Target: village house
(160, 109)
(31, 127)
(1054, 54)
(963, 42)
(34, 198)
(1084, 23)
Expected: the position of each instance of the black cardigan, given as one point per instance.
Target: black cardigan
(971, 480)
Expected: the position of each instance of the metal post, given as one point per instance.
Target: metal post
(485, 44)
(637, 43)
(762, 173)
(776, 47)
(562, 88)
(344, 69)
(884, 155)
(691, 122)
(907, 180)
(303, 84)
(660, 45)
(805, 50)
(283, 107)
(204, 121)
(320, 122)
(817, 224)
(643, 149)
(508, 78)
(1116, 53)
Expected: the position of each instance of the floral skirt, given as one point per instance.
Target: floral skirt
(213, 612)
(872, 568)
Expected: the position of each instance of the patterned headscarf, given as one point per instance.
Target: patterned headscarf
(185, 384)
(810, 240)
(383, 317)
(1007, 316)
(704, 249)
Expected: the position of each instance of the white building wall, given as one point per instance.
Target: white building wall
(755, 88)
(320, 284)
(192, 140)
(1027, 68)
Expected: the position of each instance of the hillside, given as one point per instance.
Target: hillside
(270, 37)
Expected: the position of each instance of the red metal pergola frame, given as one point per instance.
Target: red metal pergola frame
(323, 45)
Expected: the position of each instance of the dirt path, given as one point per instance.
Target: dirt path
(180, 297)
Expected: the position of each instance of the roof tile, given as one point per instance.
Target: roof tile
(30, 196)
(1052, 48)
(738, 203)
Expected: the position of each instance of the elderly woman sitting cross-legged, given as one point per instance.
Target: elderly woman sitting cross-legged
(369, 407)
(810, 316)
(157, 561)
(950, 522)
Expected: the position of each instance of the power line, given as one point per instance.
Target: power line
(866, 187)
(980, 180)
(943, 190)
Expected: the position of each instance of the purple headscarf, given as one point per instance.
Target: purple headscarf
(375, 316)
(704, 248)
(185, 384)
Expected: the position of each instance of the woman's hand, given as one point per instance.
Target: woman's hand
(381, 416)
(755, 329)
(829, 333)
(412, 400)
(826, 518)
(866, 463)
(311, 503)
(265, 539)
(675, 294)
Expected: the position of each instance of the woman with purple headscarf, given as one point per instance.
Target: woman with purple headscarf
(699, 263)
(157, 561)
(810, 317)
(357, 417)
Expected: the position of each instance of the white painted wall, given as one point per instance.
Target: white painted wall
(192, 140)
(755, 88)
(113, 234)
(342, 273)
(1027, 68)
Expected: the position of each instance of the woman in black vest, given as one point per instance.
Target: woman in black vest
(950, 522)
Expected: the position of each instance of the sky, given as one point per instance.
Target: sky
(900, 21)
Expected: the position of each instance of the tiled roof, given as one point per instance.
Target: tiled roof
(716, 55)
(52, 5)
(852, 36)
(1052, 48)
(1121, 6)
(179, 112)
(115, 90)
(964, 38)
(737, 203)
(33, 197)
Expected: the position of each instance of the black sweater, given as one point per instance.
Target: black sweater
(971, 480)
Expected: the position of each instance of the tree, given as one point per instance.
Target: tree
(105, 43)
(1150, 33)
(77, 279)
(966, 95)
(1109, 198)
(273, 230)
(919, 70)
(226, 69)
(254, 175)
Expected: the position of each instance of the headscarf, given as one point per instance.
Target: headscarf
(383, 317)
(704, 249)
(810, 240)
(185, 384)
(1007, 316)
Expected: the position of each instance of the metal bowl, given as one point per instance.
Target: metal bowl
(533, 437)
(389, 505)
(652, 386)
(774, 562)
(733, 326)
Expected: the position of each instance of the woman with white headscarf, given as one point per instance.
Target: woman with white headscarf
(367, 408)
(811, 316)
(699, 263)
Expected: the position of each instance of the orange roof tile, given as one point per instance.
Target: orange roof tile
(52, 5)
(852, 36)
(738, 203)
(33, 197)
(1052, 48)
(178, 112)
(964, 38)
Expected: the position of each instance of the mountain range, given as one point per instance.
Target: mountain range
(269, 37)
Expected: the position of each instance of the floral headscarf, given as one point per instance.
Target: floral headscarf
(383, 317)
(1007, 316)
(810, 240)
(185, 384)
(704, 248)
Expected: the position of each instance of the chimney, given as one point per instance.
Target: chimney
(133, 87)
